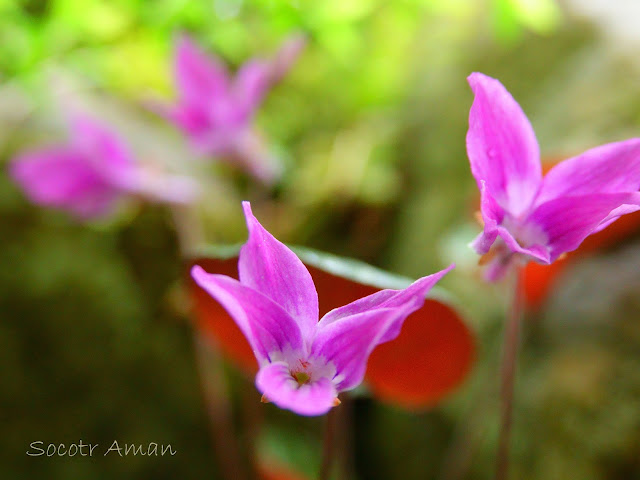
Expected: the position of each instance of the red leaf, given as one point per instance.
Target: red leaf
(430, 358)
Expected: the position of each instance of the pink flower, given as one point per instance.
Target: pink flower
(90, 174)
(216, 111)
(304, 363)
(528, 217)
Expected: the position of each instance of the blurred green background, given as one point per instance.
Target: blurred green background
(94, 342)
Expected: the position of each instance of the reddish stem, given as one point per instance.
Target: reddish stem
(328, 450)
(510, 344)
(215, 395)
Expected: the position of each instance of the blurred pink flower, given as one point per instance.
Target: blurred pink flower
(216, 111)
(89, 174)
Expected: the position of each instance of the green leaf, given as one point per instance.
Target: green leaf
(349, 268)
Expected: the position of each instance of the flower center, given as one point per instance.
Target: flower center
(301, 377)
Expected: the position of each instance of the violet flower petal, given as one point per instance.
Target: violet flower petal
(615, 215)
(101, 147)
(278, 386)
(199, 77)
(567, 221)
(610, 168)
(270, 267)
(413, 294)
(194, 121)
(492, 216)
(502, 146)
(252, 82)
(62, 178)
(287, 55)
(270, 331)
(256, 77)
(348, 343)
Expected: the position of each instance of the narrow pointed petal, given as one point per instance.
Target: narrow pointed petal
(287, 55)
(252, 82)
(615, 215)
(502, 146)
(256, 77)
(388, 299)
(62, 178)
(271, 268)
(267, 327)
(214, 320)
(106, 154)
(278, 386)
(498, 265)
(567, 221)
(348, 343)
(429, 359)
(611, 168)
(199, 77)
(193, 120)
(101, 146)
(492, 216)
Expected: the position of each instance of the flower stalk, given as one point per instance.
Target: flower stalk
(511, 341)
(328, 448)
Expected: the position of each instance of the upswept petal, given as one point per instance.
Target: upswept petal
(615, 215)
(199, 77)
(287, 55)
(610, 168)
(278, 386)
(567, 221)
(536, 251)
(502, 146)
(101, 147)
(348, 343)
(252, 82)
(256, 77)
(193, 121)
(62, 178)
(270, 267)
(267, 327)
(414, 294)
(492, 216)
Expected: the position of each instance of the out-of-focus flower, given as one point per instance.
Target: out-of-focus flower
(525, 216)
(304, 363)
(88, 175)
(216, 111)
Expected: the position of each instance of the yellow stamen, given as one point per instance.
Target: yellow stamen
(264, 399)
(301, 377)
(336, 402)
